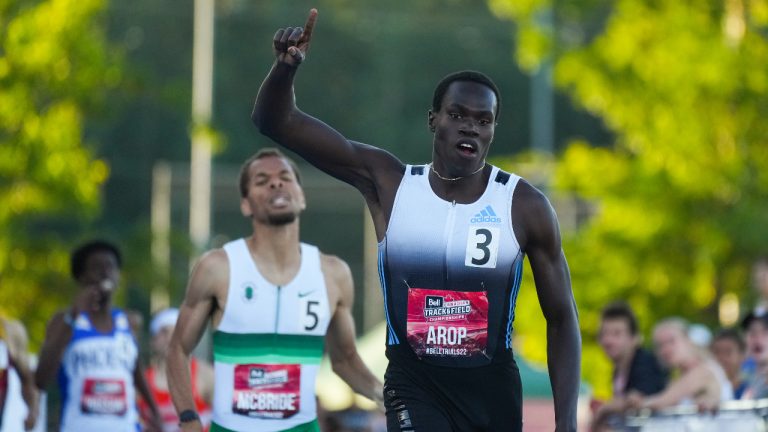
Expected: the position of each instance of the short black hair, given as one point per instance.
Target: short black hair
(465, 75)
(81, 253)
(621, 310)
(732, 334)
(265, 152)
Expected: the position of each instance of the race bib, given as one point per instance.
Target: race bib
(267, 391)
(104, 396)
(445, 323)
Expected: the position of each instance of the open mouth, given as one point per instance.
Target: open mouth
(279, 200)
(467, 149)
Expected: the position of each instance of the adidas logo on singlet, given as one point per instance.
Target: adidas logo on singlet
(486, 215)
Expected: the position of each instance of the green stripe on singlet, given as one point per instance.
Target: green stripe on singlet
(236, 348)
(312, 426)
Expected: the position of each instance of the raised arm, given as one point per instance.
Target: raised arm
(340, 340)
(537, 230)
(208, 276)
(276, 115)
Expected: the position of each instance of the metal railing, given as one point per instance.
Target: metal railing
(732, 416)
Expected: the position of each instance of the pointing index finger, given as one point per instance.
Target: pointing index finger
(307, 34)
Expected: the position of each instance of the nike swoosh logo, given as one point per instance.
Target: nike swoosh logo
(304, 294)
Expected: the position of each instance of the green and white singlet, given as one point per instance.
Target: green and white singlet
(268, 346)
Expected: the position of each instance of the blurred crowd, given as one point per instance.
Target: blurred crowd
(688, 365)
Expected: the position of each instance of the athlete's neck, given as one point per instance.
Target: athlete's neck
(463, 190)
(101, 318)
(276, 252)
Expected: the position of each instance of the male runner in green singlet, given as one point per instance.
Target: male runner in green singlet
(273, 303)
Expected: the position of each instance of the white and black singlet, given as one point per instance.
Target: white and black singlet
(450, 275)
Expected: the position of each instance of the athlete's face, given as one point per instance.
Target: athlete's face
(274, 195)
(616, 339)
(463, 127)
(757, 341)
(102, 270)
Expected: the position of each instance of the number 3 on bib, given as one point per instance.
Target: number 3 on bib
(482, 247)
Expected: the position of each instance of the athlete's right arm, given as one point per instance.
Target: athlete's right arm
(58, 334)
(276, 115)
(208, 277)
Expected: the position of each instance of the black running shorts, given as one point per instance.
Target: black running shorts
(426, 398)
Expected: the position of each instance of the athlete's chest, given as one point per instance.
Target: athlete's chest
(89, 354)
(433, 232)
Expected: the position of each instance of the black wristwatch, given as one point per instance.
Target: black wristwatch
(187, 416)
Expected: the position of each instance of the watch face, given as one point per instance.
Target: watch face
(188, 416)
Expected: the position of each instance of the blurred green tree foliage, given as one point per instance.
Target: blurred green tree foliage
(54, 69)
(680, 199)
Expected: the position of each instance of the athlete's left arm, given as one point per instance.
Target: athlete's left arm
(537, 230)
(340, 338)
(18, 346)
(140, 382)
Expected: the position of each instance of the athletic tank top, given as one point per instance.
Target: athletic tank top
(165, 403)
(268, 346)
(96, 378)
(450, 273)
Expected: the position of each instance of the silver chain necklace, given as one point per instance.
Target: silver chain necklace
(455, 178)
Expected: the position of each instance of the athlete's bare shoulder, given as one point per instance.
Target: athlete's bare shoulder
(380, 172)
(533, 216)
(210, 275)
(16, 337)
(338, 276)
(334, 266)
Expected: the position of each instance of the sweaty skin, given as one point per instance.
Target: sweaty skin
(466, 115)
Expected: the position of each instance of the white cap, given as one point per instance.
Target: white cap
(700, 335)
(164, 318)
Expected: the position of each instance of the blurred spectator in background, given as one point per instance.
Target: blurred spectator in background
(161, 329)
(634, 368)
(729, 350)
(760, 284)
(700, 380)
(755, 327)
(18, 395)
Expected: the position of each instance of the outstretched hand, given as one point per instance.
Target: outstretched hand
(292, 43)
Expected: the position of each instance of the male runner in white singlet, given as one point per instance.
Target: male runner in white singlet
(91, 348)
(273, 302)
(452, 238)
